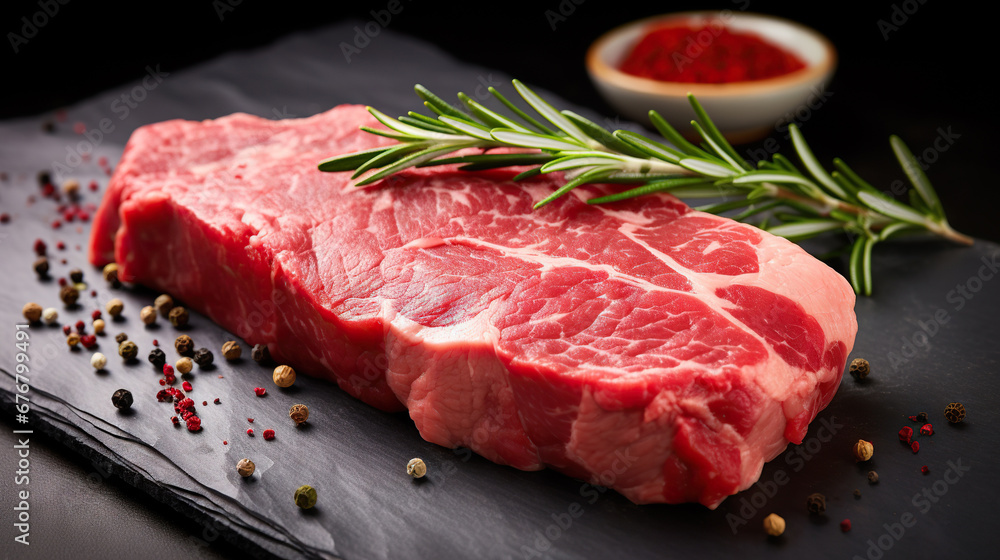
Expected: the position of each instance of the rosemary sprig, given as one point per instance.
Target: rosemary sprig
(774, 195)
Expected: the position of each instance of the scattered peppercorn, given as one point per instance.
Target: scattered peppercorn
(245, 467)
(122, 399)
(299, 413)
(305, 496)
(922, 418)
(110, 274)
(416, 468)
(98, 361)
(115, 307)
(857, 493)
(915, 446)
(69, 295)
(845, 525)
(259, 391)
(816, 503)
(954, 412)
(268, 434)
(157, 357)
(178, 316)
(41, 267)
(203, 403)
(859, 368)
(774, 525)
(193, 423)
(73, 340)
(231, 350)
(863, 450)
(203, 357)
(81, 327)
(163, 304)
(44, 177)
(89, 341)
(184, 345)
(184, 365)
(76, 275)
(175, 420)
(186, 386)
(872, 477)
(71, 187)
(217, 400)
(148, 315)
(50, 315)
(66, 329)
(121, 337)
(924, 469)
(284, 376)
(99, 326)
(905, 434)
(128, 350)
(927, 430)
(260, 354)
(250, 432)
(32, 312)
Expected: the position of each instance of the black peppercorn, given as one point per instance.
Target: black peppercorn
(76, 275)
(122, 399)
(184, 345)
(121, 337)
(816, 503)
(872, 477)
(42, 267)
(922, 417)
(157, 357)
(69, 295)
(178, 316)
(128, 350)
(260, 354)
(203, 357)
(44, 178)
(49, 127)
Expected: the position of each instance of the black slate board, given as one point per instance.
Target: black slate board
(469, 507)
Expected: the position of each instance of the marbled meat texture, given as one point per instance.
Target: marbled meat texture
(644, 346)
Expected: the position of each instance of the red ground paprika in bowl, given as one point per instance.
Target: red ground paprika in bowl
(751, 72)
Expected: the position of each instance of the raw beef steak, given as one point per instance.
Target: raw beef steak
(643, 346)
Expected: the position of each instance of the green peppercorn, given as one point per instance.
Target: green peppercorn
(121, 337)
(178, 316)
(163, 304)
(203, 357)
(305, 496)
(128, 350)
(122, 399)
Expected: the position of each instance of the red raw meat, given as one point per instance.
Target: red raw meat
(644, 346)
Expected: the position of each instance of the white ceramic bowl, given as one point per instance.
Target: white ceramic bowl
(743, 111)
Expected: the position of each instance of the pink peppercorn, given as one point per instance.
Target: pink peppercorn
(56, 224)
(193, 423)
(93, 185)
(268, 434)
(217, 401)
(89, 341)
(96, 314)
(204, 403)
(250, 432)
(845, 525)
(924, 469)
(67, 329)
(80, 326)
(40, 248)
(927, 430)
(175, 420)
(250, 420)
(915, 446)
(906, 434)
(168, 369)
(186, 386)
(260, 391)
